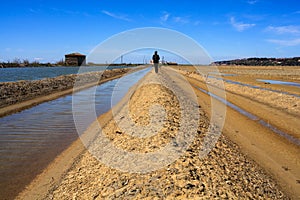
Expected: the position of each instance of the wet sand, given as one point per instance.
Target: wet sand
(273, 152)
(16, 96)
(248, 161)
(285, 108)
(30, 144)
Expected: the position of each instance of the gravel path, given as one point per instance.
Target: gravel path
(224, 173)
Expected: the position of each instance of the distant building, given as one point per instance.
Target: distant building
(75, 59)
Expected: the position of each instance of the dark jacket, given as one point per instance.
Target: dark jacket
(155, 58)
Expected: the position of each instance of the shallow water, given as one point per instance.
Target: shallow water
(253, 117)
(222, 74)
(279, 82)
(37, 73)
(32, 138)
(255, 87)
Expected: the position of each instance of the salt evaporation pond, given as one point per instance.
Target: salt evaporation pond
(32, 138)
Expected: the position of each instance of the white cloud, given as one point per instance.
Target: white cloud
(64, 11)
(33, 10)
(240, 26)
(196, 23)
(168, 17)
(165, 17)
(284, 29)
(116, 16)
(252, 2)
(180, 20)
(294, 42)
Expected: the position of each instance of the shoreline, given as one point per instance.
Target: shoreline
(273, 152)
(83, 171)
(46, 182)
(12, 189)
(44, 96)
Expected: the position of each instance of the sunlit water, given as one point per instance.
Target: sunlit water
(37, 73)
(251, 116)
(257, 87)
(279, 82)
(31, 139)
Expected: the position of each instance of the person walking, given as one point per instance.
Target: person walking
(155, 59)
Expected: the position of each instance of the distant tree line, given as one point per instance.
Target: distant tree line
(262, 62)
(26, 63)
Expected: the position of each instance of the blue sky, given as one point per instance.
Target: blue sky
(46, 30)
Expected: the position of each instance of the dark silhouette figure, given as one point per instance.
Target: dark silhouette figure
(155, 59)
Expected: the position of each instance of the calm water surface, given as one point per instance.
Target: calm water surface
(31, 139)
(37, 73)
(261, 88)
(279, 82)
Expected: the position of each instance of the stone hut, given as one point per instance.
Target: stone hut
(75, 59)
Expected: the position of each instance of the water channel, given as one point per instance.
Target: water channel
(32, 138)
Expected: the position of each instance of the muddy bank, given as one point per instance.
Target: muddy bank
(17, 92)
(44, 132)
(285, 72)
(272, 151)
(225, 173)
(278, 100)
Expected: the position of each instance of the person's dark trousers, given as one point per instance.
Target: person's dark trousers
(156, 67)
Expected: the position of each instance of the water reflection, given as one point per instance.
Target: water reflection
(253, 117)
(279, 82)
(254, 86)
(31, 139)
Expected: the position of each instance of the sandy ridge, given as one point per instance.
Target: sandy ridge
(275, 154)
(224, 173)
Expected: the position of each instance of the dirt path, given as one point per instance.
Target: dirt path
(15, 178)
(274, 153)
(224, 173)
